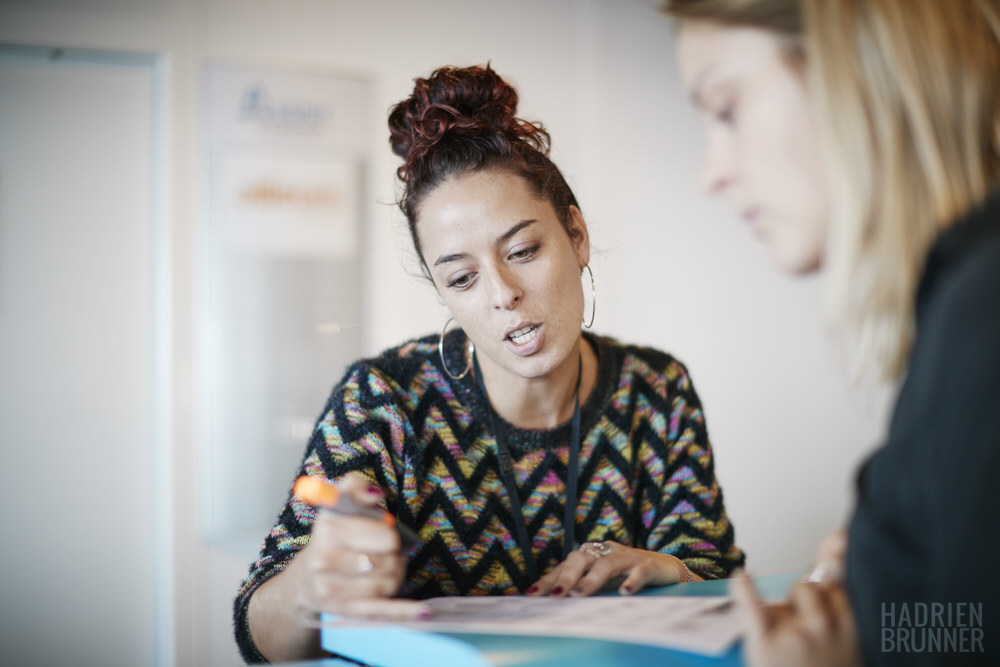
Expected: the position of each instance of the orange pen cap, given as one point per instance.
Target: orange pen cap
(320, 493)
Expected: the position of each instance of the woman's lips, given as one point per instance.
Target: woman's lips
(525, 340)
(752, 217)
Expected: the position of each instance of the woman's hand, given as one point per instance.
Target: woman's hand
(830, 558)
(352, 566)
(598, 566)
(814, 627)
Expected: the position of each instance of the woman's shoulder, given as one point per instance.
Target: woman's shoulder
(964, 257)
(961, 282)
(647, 363)
(955, 359)
(399, 363)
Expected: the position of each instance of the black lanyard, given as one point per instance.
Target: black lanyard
(507, 474)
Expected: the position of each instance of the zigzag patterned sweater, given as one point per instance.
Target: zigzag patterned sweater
(646, 474)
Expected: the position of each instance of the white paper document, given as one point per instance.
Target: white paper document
(705, 625)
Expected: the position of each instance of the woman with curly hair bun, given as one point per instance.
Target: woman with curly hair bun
(527, 455)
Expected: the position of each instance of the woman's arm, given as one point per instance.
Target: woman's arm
(688, 514)
(277, 620)
(315, 561)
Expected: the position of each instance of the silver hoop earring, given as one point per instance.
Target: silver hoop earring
(444, 364)
(593, 291)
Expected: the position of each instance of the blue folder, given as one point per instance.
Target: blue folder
(393, 646)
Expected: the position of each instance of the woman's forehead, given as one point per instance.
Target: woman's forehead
(482, 196)
(480, 207)
(710, 51)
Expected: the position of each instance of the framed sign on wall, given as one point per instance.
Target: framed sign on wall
(281, 304)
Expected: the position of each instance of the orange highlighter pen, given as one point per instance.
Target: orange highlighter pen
(320, 493)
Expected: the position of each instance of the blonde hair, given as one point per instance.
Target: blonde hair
(909, 108)
(781, 17)
(908, 105)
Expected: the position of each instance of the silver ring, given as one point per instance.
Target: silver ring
(365, 564)
(596, 549)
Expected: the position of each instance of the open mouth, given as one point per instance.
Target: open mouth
(523, 335)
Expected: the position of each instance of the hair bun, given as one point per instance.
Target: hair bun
(458, 102)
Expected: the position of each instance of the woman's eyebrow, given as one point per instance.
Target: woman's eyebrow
(513, 230)
(444, 259)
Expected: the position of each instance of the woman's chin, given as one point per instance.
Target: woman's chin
(795, 261)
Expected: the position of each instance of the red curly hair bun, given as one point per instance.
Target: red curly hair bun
(458, 102)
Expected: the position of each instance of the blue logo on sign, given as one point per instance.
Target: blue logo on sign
(258, 107)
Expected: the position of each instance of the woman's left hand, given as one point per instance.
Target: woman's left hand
(597, 566)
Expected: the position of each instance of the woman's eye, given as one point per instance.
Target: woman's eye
(726, 115)
(462, 281)
(523, 254)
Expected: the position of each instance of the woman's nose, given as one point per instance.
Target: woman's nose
(506, 293)
(717, 171)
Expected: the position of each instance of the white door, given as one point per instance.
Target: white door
(78, 382)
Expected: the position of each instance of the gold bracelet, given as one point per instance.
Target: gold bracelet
(687, 570)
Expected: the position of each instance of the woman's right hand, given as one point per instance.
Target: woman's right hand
(352, 565)
(829, 567)
(815, 626)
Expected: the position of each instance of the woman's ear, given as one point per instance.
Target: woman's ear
(576, 226)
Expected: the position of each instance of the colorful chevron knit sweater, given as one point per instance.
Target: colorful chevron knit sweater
(646, 472)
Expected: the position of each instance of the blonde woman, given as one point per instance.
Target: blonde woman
(863, 136)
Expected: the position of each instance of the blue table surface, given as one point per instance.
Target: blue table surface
(528, 651)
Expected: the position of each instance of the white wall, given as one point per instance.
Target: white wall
(83, 434)
(674, 270)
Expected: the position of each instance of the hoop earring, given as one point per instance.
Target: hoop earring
(444, 364)
(593, 291)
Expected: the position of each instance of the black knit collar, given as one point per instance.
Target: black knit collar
(609, 363)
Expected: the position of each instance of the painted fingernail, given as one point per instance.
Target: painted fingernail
(533, 589)
(625, 590)
(576, 592)
(374, 490)
(425, 615)
(556, 591)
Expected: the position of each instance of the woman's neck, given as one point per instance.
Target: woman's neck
(542, 403)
